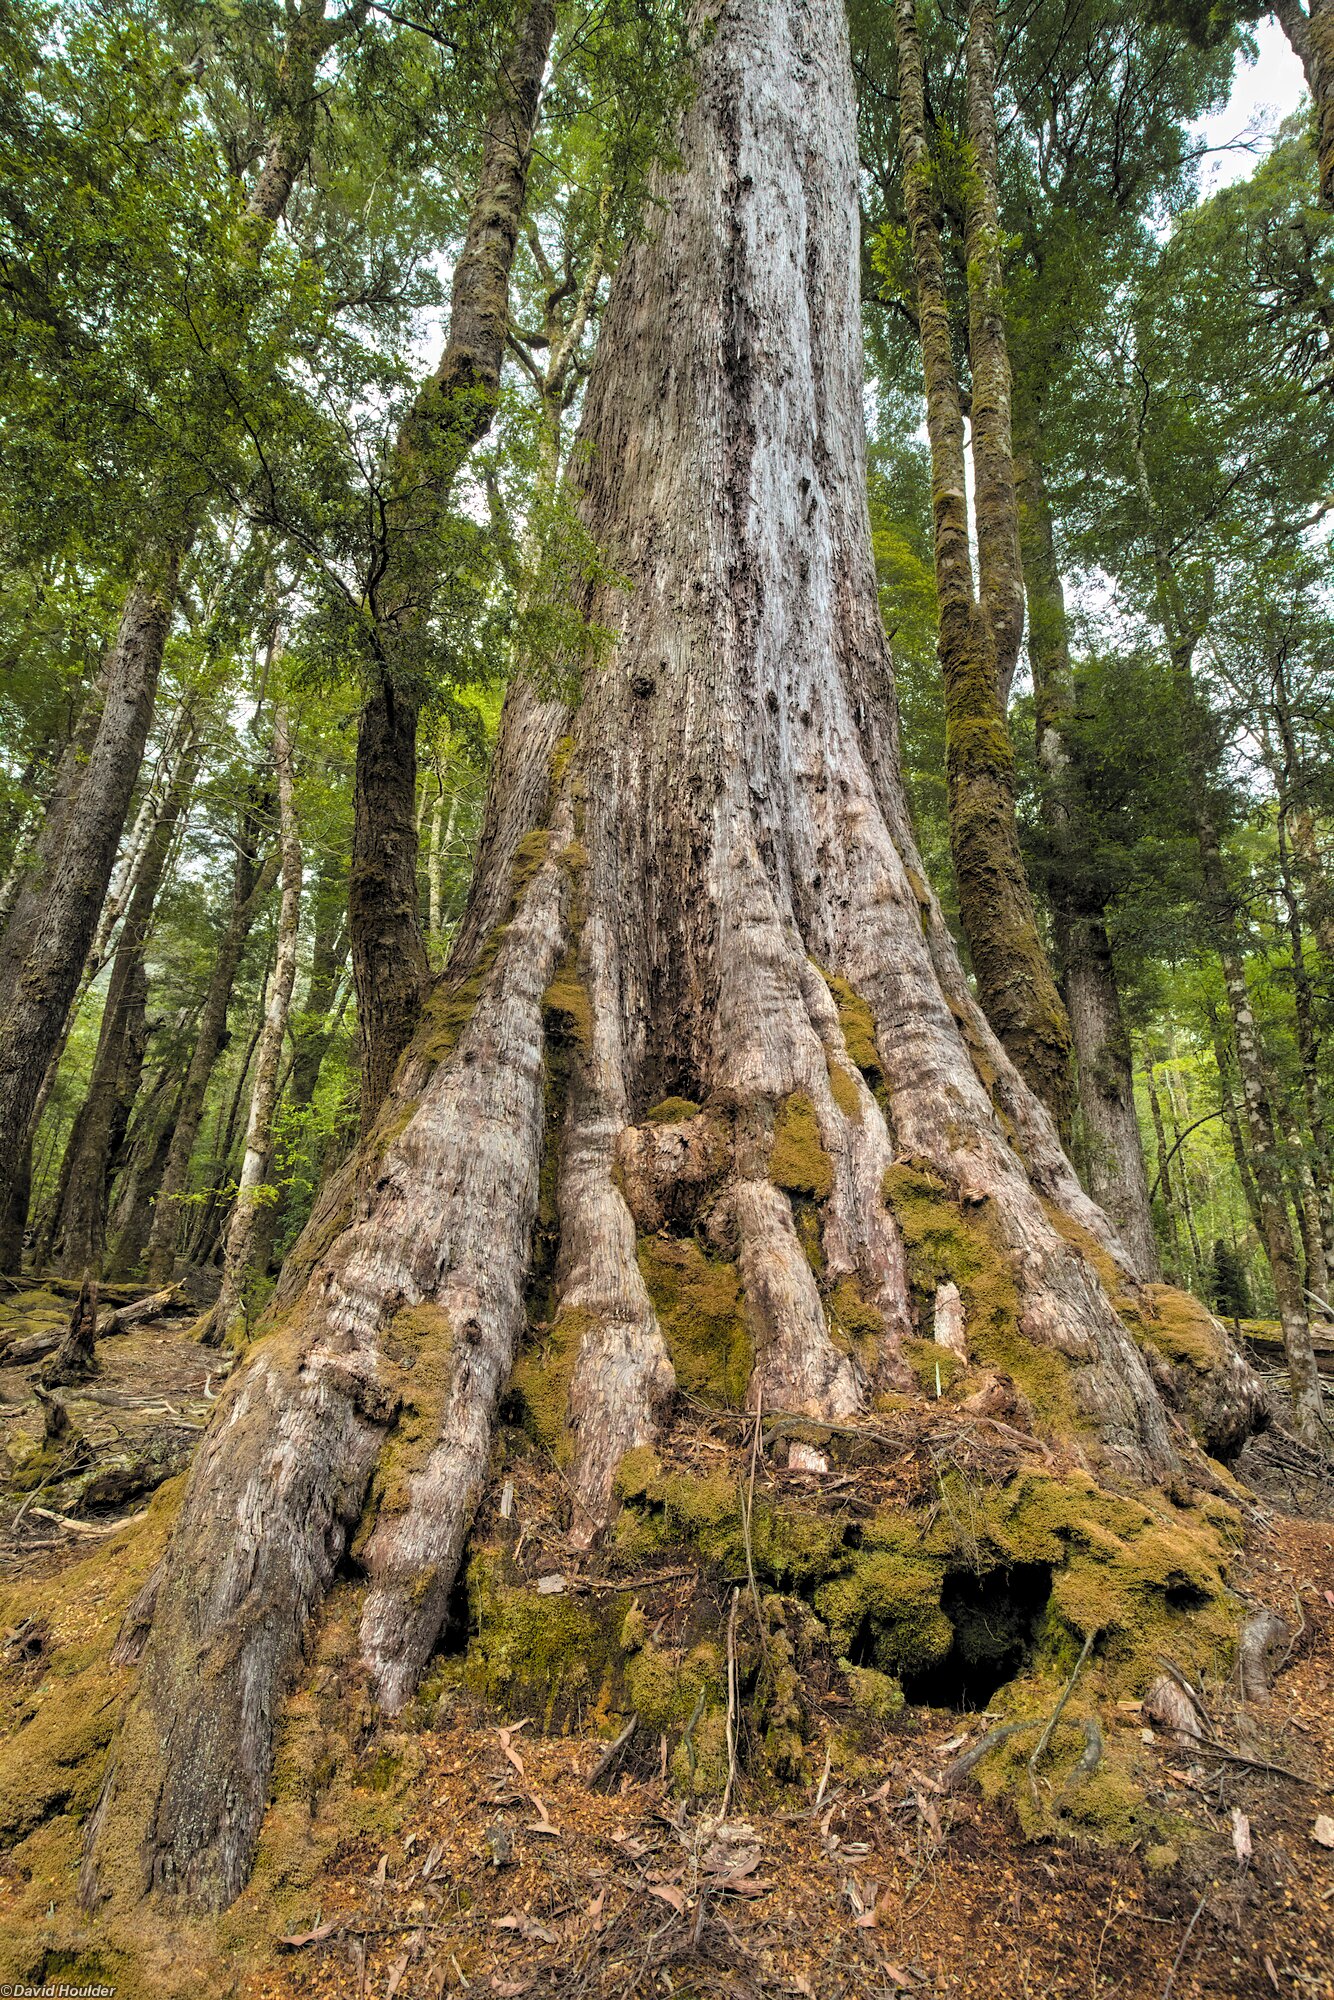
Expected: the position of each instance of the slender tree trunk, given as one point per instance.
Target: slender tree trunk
(664, 872)
(43, 984)
(1180, 1111)
(31, 881)
(1178, 1268)
(251, 883)
(1000, 579)
(1117, 1179)
(118, 1064)
(132, 1206)
(1219, 910)
(204, 1232)
(1308, 1055)
(37, 987)
(1014, 981)
(238, 1256)
(451, 415)
(312, 1029)
(1223, 1057)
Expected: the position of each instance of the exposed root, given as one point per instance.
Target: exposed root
(797, 1366)
(622, 1375)
(281, 1477)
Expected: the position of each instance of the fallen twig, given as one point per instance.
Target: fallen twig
(612, 1753)
(1055, 1716)
(1181, 1948)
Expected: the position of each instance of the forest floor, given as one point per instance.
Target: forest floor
(885, 1888)
(505, 1862)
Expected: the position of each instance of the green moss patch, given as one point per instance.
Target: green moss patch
(799, 1163)
(540, 1385)
(942, 1242)
(858, 1025)
(699, 1306)
(985, 1597)
(854, 1323)
(672, 1111)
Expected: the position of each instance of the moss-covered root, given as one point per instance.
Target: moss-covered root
(1196, 1365)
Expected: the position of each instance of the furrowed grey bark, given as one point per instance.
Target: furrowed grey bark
(683, 887)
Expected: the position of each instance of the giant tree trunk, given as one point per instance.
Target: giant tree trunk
(700, 883)
(1114, 1153)
(1310, 29)
(251, 883)
(1014, 980)
(450, 417)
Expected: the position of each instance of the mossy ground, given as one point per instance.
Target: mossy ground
(869, 1582)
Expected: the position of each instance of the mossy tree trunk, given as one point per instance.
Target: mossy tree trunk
(1113, 1151)
(698, 885)
(979, 640)
(450, 417)
(1310, 29)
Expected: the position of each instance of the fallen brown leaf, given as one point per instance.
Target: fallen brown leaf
(310, 1937)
